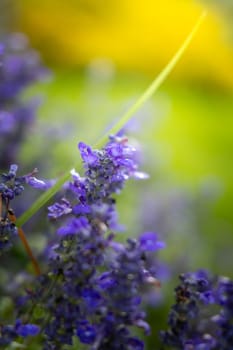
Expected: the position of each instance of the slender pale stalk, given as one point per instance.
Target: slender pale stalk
(27, 247)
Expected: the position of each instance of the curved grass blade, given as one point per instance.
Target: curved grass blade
(154, 86)
(45, 197)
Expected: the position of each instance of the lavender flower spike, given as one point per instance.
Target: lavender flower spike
(98, 282)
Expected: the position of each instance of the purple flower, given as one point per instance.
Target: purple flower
(149, 242)
(92, 297)
(81, 209)
(193, 321)
(11, 186)
(98, 282)
(59, 209)
(106, 280)
(135, 344)
(7, 122)
(25, 330)
(74, 226)
(88, 155)
(19, 68)
(9, 333)
(36, 183)
(86, 332)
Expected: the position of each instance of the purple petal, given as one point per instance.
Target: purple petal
(149, 241)
(88, 155)
(36, 183)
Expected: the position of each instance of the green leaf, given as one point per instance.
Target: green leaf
(44, 198)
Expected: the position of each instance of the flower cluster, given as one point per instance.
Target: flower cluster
(9, 332)
(19, 68)
(94, 282)
(202, 317)
(12, 186)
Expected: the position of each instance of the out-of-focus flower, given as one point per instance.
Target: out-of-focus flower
(19, 68)
(202, 317)
(12, 186)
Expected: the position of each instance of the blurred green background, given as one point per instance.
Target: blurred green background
(103, 55)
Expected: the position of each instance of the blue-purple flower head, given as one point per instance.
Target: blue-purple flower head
(10, 333)
(37, 183)
(75, 226)
(110, 167)
(106, 172)
(86, 332)
(12, 185)
(26, 330)
(59, 209)
(99, 282)
(149, 242)
(202, 317)
(89, 156)
(19, 66)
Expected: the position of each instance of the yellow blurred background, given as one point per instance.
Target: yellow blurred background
(133, 35)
